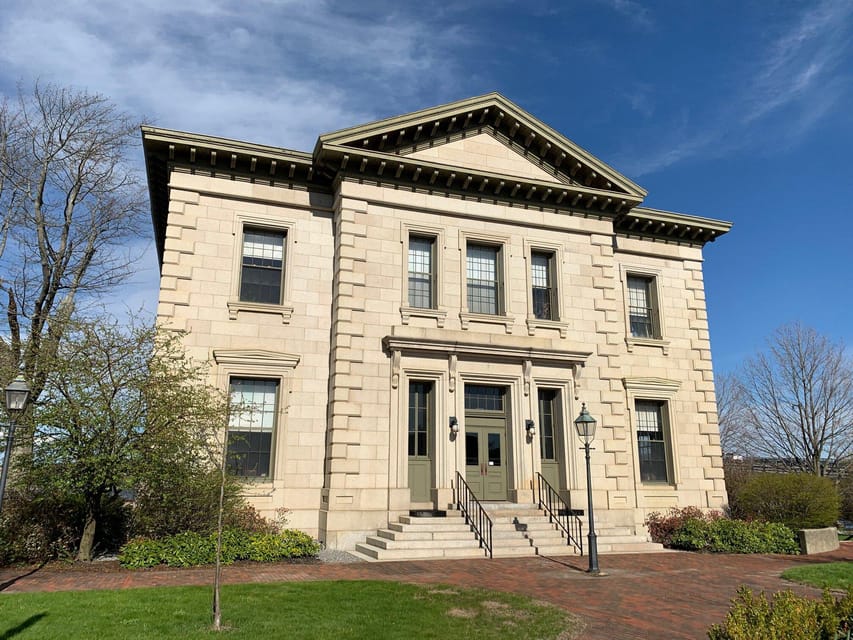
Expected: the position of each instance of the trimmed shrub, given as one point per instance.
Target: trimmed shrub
(799, 500)
(663, 526)
(785, 617)
(191, 549)
(735, 536)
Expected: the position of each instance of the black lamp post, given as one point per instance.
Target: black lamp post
(585, 425)
(17, 395)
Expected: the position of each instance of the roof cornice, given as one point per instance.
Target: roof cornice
(391, 168)
(670, 226)
(497, 112)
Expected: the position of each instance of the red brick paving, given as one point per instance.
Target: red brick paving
(662, 595)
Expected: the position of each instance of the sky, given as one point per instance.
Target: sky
(736, 110)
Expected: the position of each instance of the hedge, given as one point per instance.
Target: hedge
(192, 549)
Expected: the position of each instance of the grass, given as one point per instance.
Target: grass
(832, 575)
(316, 610)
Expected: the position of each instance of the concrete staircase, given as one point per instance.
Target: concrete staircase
(518, 530)
(414, 538)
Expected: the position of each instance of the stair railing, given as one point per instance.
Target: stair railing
(560, 513)
(474, 513)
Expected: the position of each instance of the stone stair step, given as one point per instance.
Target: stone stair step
(384, 543)
(457, 519)
(512, 552)
(373, 554)
(556, 550)
(438, 526)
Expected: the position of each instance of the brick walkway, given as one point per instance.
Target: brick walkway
(662, 595)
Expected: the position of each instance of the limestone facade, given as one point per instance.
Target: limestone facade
(535, 253)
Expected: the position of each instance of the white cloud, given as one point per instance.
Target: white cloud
(280, 74)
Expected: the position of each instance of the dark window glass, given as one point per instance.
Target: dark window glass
(541, 276)
(483, 398)
(472, 448)
(483, 281)
(547, 422)
(641, 313)
(251, 426)
(650, 441)
(263, 266)
(421, 272)
(494, 443)
(420, 417)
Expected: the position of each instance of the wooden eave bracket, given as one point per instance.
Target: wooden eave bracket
(671, 226)
(443, 177)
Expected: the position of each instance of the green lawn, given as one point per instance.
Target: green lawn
(834, 575)
(316, 610)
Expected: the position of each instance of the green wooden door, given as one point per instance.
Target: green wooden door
(485, 442)
(549, 437)
(421, 412)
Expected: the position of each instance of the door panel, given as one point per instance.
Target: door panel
(549, 437)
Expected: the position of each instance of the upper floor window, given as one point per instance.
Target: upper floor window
(262, 268)
(422, 272)
(542, 279)
(651, 442)
(642, 311)
(251, 426)
(483, 274)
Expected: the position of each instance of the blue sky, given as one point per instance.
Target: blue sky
(735, 110)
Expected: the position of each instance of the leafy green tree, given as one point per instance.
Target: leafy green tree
(126, 409)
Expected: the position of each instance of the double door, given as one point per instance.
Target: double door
(485, 442)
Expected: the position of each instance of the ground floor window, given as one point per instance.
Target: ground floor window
(651, 442)
(251, 426)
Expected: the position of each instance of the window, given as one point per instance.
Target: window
(542, 280)
(251, 426)
(483, 398)
(547, 423)
(420, 417)
(422, 272)
(642, 314)
(483, 273)
(262, 268)
(651, 444)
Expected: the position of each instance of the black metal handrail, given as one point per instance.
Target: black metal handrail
(560, 513)
(474, 513)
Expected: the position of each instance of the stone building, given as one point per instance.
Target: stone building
(429, 298)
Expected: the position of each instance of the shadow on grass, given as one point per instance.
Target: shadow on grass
(26, 624)
(10, 582)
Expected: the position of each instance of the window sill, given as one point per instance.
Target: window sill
(236, 306)
(466, 318)
(660, 343)
(256, 487)
(535, 323)
(439, 315)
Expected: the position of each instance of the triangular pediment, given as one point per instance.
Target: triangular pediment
(483, 152)
(487, 134)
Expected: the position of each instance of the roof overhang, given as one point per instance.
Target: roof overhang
(669, 226)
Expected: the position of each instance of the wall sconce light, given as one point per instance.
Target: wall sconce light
(454, 425)
(531, 427)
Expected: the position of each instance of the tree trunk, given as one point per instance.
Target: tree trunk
(87, 542)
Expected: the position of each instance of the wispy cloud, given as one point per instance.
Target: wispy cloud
(796, 81)
(635, 12)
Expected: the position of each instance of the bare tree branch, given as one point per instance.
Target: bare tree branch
(798, 399)
(71, 199)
